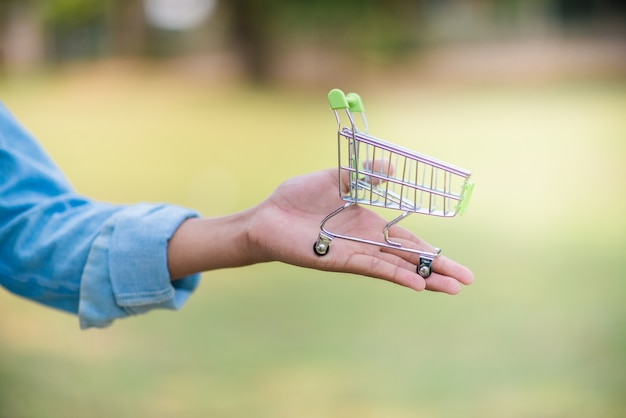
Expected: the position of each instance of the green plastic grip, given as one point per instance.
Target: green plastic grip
(351, 101)
(337, 99)
(466, 194)
(354, 103)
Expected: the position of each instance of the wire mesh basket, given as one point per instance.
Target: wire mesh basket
(381, 174)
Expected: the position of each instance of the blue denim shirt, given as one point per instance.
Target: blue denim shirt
(97, 260)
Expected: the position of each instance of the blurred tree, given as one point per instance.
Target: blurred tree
(95, 27)
(589, 11)
(4, 21)
(72, 12)
(250, 30)
(361, 26)
(21, 36)
(127, 27)
(260, 31)
(75, 28)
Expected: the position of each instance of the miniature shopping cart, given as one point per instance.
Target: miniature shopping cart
(381, 174)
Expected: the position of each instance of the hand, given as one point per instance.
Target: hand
(286, 225)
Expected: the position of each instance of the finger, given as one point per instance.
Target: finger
(381, 169)
(409, 250)
(401, 261)
(441, 263)
(444, 284)
(436, 282)
(447, 267)
(397, 233)
(380, 267)
(344, 178)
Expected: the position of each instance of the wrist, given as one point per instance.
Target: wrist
(203, 244)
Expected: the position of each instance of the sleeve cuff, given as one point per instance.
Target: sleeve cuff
(126, 271)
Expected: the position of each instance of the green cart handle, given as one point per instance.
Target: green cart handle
(466, 193)
(350, 101)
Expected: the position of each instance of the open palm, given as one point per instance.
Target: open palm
(286, 225)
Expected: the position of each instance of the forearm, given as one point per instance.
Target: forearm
(203, 244)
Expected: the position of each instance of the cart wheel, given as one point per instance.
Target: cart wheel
(321, 248)
(423, 269)
(322, 245)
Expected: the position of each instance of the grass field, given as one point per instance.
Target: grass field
(539, 334)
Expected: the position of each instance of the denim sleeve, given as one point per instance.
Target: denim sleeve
(126, 270)
(94, 259)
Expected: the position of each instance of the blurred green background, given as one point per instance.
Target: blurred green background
(213, 104)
